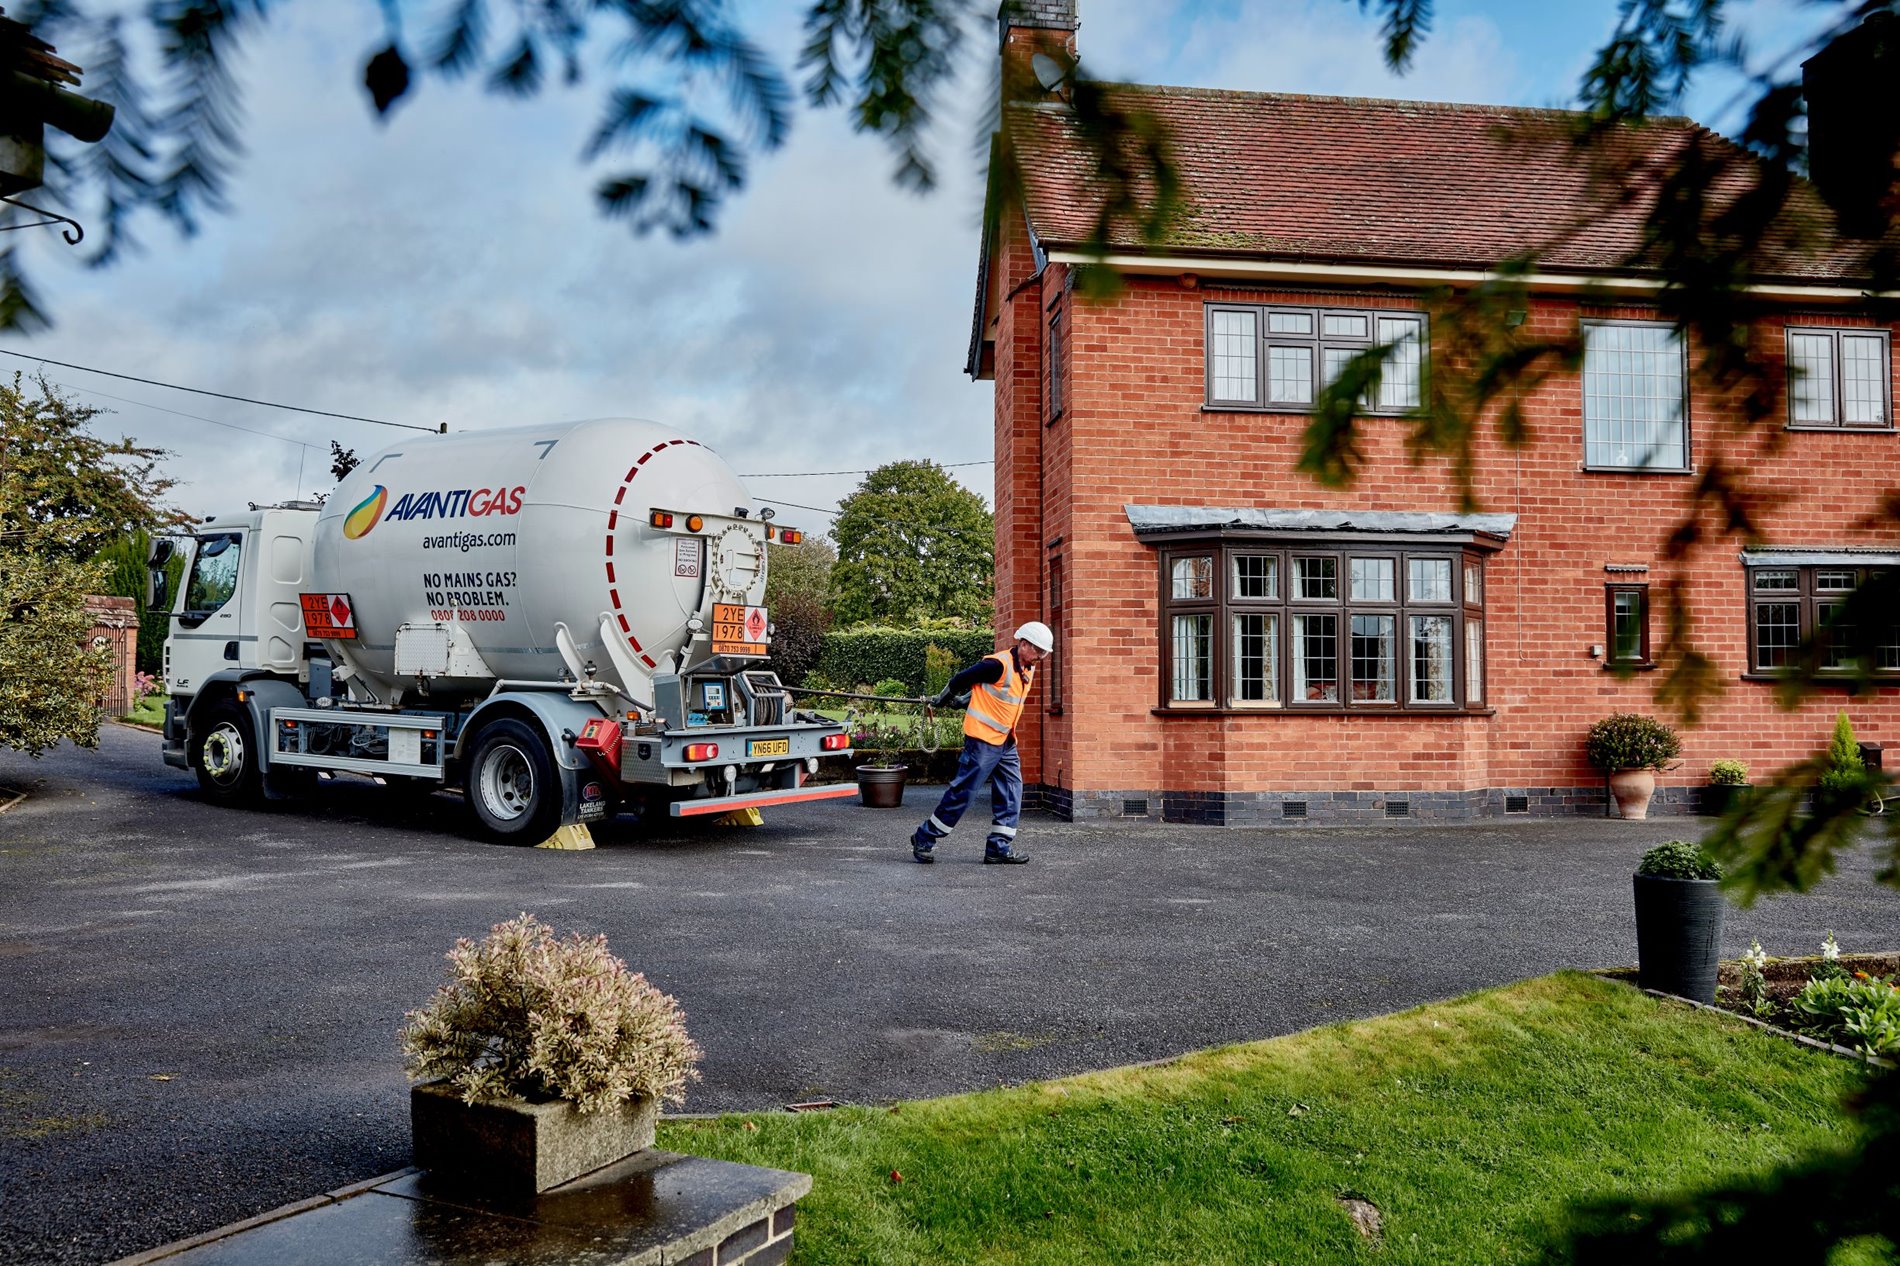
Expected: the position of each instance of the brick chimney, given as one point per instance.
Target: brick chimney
(1028, 27)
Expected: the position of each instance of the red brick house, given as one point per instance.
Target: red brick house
(1239, 644)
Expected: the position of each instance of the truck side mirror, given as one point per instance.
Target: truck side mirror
(162, 550)
(157, 590)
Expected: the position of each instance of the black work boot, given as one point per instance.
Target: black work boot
(1004, 857)
(921, 854)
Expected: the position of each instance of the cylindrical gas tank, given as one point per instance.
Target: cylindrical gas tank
(502, 535)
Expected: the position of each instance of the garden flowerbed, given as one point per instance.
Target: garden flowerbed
(1777, 1002)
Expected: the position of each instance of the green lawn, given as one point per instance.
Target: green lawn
(1468, 1123)
(150, 711)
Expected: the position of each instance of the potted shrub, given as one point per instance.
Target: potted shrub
(1630, 748)
(1678, 920)
(1728, 779)
(1844, 783)
(541, 1060)
(880, 741)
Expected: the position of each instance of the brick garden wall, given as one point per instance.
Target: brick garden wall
(1134, 430)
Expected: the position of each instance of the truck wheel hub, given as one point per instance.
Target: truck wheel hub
(224, 752)
(507, 783)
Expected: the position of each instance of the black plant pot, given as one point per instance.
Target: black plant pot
(1678, 935)
(881, 786)
(1719, 798)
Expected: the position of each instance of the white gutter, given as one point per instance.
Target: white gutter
(1381, 274)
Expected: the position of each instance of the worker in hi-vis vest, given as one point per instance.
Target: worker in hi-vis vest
(998, 686)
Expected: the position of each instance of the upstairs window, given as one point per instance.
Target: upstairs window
(1265, 356)
(1839, 379)
(1635, 410)
(1052, 367)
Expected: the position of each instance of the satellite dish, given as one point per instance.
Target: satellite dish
(1049, 72)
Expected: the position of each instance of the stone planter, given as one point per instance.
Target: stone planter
(881, 786)
(1678, 935)
(513, 1146)
(1632, 789)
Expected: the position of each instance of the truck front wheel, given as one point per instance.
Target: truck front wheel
(224, 752)
(511, 784)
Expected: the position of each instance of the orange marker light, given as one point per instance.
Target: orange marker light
(660, 519)
(694, 523)
(791, 536)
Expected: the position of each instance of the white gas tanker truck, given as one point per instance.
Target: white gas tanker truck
(562, 620)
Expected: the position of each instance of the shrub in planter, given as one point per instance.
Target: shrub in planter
(1678, 920)
(1844, 782)
(1727, 779)
(1630, 747)
(560, 1054)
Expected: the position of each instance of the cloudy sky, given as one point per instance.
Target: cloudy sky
(449, 265)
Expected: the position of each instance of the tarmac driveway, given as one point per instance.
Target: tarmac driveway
(197, 1005)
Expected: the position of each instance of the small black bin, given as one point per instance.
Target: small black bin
(1870, 755)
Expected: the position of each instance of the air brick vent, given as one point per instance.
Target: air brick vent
(1134, 808)
(1517, 804)
(1398, 808)
(1293, 808)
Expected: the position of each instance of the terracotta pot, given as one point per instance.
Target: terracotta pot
(1633, 789)
(881, 786)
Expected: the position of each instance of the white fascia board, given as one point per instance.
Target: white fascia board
(1391, 275)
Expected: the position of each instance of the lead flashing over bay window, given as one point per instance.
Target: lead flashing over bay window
(1803, 556)
(1476, 529)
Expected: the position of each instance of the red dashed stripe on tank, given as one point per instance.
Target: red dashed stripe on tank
(613, 521)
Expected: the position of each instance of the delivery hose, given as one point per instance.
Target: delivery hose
(926, 731)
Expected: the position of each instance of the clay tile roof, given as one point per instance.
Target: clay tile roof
(1434, 184)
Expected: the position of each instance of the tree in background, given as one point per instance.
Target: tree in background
(912, 544)
(342, 461)
(797, 587)
(65, 495)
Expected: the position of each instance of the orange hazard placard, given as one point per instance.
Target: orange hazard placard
(328, 615)
(739, 630)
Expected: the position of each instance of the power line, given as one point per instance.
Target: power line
(159, 408)
(805, 474)
(199, 391)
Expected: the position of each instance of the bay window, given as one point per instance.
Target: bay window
(1330, 627)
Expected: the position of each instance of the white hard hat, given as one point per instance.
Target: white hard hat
(1037, 634)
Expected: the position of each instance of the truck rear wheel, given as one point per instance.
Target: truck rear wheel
(511, 783)
(224, 753)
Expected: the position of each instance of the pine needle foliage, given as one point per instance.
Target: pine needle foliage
(524, 1015)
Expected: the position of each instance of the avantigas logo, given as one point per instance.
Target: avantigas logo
(359, 521)
(456, 503)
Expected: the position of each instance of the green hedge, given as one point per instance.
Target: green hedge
(864, 655)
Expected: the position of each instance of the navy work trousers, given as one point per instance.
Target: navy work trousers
(980, 761)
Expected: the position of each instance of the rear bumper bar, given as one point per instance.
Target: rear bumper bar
(760, 799)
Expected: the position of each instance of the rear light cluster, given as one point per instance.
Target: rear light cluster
(664, 519)
(701, 751)
(835, 742)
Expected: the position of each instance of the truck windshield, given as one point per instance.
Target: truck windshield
(214, 574)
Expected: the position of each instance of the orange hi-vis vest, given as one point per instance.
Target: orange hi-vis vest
(995, 706)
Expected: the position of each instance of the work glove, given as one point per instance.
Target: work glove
(939, 699)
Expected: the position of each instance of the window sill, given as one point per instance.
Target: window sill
(1885, 681)
(1637, 470)
(1840, 429)
(1629, 666)
(1391, 713)
(1302, 409)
